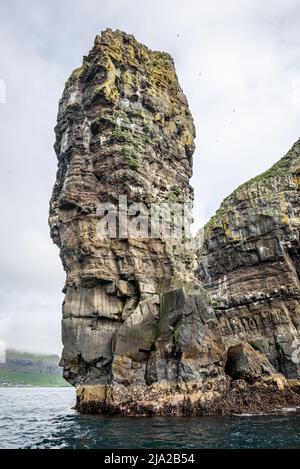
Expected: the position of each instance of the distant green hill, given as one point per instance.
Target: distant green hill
(15, 354)
(28, 369)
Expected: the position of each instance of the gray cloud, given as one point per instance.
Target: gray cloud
(238, 62)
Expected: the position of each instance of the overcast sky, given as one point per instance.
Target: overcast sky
(238, 62)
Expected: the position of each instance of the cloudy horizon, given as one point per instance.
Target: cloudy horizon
(238, 63)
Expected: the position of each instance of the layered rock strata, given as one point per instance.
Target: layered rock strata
(124, 129)
(141, 335)
(250, 264)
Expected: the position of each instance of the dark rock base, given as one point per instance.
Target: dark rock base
(237, 397)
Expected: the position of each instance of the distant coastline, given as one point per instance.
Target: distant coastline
(23, 369)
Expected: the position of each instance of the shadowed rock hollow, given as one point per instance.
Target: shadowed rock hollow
(141, 335)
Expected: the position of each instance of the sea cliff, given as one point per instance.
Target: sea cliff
(161, 324)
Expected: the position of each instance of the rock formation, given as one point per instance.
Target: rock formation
(141, 335)
(250, 264)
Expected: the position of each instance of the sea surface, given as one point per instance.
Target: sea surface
(45, 418)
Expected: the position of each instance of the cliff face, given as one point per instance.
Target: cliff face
(124, 129)
(141, 335)
(250, 263)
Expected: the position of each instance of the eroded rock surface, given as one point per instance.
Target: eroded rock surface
(124, 128)
(141, 335)
(250, 264)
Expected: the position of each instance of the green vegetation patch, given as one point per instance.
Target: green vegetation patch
(132, 158)
(174, 194)
(282, 167)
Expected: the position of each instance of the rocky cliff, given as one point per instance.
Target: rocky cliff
(141, 335)
(250, 264)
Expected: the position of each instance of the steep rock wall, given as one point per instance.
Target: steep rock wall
(141, 335)
(250, 264)
(132, 304)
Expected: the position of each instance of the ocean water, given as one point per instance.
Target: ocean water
(44, 418)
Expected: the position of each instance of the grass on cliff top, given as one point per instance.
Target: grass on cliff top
(16, 378)
(283, 166)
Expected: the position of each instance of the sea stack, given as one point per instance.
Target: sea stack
(141, 334)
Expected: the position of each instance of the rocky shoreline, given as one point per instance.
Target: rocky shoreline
(237, 397)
